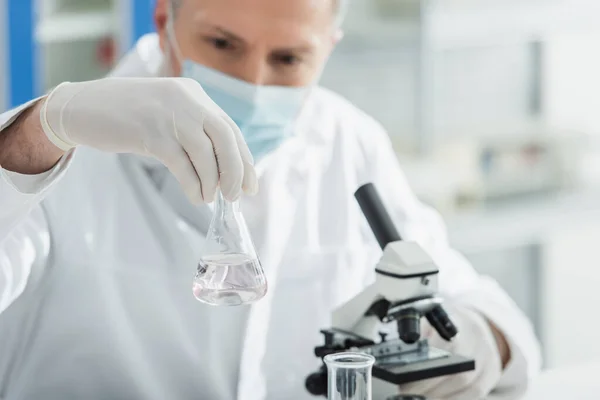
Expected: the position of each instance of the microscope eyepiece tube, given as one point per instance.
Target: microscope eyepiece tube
(377, 216)
(440, 321)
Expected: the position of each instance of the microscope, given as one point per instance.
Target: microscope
(404, 291)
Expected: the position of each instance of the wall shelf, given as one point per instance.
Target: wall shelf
(72, 26)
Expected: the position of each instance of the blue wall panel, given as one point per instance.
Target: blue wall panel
(21, 52)
(142, 13)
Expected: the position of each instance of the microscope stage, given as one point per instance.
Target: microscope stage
(423, 369)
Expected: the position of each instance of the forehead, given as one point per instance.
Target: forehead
(266, 15)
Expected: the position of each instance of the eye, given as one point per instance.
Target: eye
(286, 59)
(220, 43)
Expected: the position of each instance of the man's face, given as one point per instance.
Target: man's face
(265, 42)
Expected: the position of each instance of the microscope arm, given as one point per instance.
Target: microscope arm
(353, 315)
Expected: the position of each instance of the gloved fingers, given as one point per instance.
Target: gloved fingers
(250, 181)
(174, 157)
(199, 149)
(227, 153)
(239, 137)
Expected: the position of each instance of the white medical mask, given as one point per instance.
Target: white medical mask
(264, 114)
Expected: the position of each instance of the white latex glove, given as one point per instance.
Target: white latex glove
(474, 340)
(170, 119)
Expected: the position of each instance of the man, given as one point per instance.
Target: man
(98, 243)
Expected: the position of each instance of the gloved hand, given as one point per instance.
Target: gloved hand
(474, 340)
(170, 119)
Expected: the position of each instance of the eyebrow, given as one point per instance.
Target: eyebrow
(299, 49)
(235, 38)
(229, 35)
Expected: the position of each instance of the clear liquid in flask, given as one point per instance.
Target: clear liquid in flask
(229, 272)
(229, 280)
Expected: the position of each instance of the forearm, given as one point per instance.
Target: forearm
(24, 147)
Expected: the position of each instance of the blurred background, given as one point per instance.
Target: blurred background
(492, 107)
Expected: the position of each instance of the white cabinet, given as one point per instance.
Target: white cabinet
(571, 293)
(68, 21)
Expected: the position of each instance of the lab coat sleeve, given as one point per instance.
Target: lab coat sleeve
(458, 281)
(24, 235)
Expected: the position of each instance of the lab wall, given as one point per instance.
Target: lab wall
(573, 90)
(370, 74)
(517, 270)
(473, 90)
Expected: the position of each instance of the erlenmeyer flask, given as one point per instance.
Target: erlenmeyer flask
(229, 272)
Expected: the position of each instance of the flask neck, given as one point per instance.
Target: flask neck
(223, 207)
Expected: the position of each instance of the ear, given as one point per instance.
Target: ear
(161, 14)
(335, 39)
(337, 36)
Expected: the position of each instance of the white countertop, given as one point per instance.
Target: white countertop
(580, 382)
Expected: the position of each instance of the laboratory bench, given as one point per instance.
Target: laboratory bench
(544, 251)
(579, 382)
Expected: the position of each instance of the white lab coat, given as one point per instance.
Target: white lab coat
(96, 262)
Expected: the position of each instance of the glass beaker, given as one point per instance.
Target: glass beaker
(349, 376)
(229, 272)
